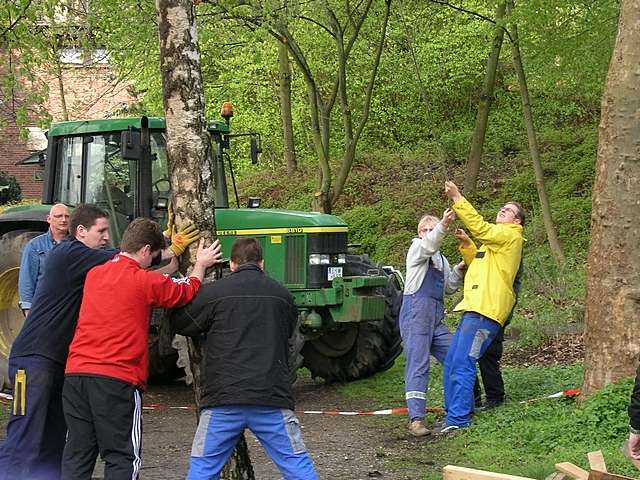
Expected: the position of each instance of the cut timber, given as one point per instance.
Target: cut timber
(572, 470)
(596, 475)
(452, 472)
(556, 476)
(596, 461)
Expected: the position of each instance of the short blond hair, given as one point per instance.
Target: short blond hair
(427, 221)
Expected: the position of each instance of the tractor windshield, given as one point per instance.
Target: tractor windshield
(92, 170)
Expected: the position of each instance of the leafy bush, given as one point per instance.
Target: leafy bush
(10, 191)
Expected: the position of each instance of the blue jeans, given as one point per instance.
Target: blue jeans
(474, 334)
(277, 430)
(35, 434)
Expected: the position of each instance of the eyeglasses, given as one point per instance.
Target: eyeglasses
(510, 210)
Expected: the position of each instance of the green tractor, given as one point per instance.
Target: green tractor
(348, 325)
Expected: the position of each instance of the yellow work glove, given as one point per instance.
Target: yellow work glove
(171, 218)
(182, 238)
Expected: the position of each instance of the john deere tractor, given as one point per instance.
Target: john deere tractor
(348, 305)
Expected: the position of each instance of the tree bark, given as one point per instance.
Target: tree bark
(613, 273)
(284, 69)
(554, 243)
(484, 106)
(188, 150)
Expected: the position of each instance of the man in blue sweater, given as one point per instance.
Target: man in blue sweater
(34, 253)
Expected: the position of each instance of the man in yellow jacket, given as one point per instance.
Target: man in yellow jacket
(488, 300)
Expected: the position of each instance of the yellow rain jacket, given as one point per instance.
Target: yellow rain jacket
(488, 284)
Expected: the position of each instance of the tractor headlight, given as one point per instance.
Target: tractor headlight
(314, 259)
(342, 258)
(325, 259)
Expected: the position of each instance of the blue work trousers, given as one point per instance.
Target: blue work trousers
(474, 334)
(278, 430)
(423, 334)
(36, 431)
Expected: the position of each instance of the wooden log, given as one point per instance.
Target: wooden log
(596, 461)
(596, 475)
(556, 476)
(452, 472)
(572, 471)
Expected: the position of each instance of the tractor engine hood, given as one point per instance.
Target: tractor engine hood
(260, 221)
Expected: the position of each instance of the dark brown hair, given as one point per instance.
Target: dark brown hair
(141, 232)
(86, 215)
(246, 250)
(521, 215)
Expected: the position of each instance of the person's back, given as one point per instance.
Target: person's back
(48, 329)
(246, 359)
(248, 319)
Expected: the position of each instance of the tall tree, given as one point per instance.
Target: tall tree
(486, 97)
(188, 149)
(284, 69)
(613, 274)
(534, 151)
(343, 26)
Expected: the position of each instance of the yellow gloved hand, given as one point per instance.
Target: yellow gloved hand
(171, 219)
(182, 238)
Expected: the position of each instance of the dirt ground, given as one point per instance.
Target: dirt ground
(342, 448)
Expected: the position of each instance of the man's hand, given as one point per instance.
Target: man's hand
(634, 446)
(184, 237)
(452, 191)
(208, 256)
(448, 216)
(171, 219)
(462, 237)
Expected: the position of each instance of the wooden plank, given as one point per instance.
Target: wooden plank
(453, 472)
(596, 461)
(572, 471)
(556, 476)
(596, 475)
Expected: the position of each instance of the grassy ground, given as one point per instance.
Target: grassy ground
(524, 439)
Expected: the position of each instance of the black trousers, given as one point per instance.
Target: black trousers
(490, 372)
(103, 416)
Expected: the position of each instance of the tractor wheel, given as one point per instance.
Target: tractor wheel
(357, 350)
(11, 317)
(296, 360)
(163, 358)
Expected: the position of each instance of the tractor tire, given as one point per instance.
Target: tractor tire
(11, 317)
(353, 351)
(296, 360)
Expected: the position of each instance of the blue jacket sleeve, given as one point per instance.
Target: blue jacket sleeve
(28, 276)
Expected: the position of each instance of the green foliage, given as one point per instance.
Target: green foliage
(10, 191)
(524, 439)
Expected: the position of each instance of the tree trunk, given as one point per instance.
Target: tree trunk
(482, 116)
(554, 243)
(285, 108)
(188, 150)
(613, 275)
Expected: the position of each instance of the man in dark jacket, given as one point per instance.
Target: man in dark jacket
(248, 319)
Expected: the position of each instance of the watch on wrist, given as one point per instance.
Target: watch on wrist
(634, 430)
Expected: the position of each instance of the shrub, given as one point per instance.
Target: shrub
(9, 189)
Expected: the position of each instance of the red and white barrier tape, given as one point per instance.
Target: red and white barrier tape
(571, 392)
(386, 411)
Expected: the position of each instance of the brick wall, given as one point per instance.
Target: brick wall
(90, 92)
(12, 150)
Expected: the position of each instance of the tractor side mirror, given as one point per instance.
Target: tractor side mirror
(256, 149)
(131, 145)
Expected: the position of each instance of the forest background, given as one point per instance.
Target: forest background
(419, 122)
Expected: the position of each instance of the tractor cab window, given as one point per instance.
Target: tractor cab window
(159, 169)
(109, 177)
(70, 173)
